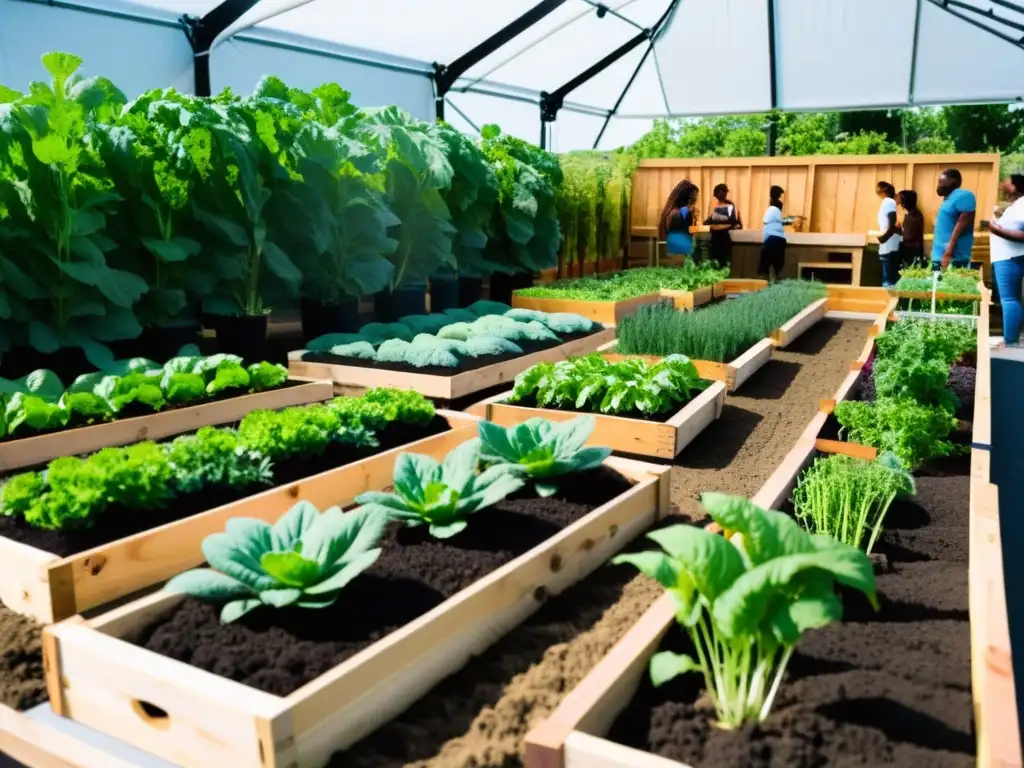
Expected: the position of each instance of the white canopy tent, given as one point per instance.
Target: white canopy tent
(598, 72)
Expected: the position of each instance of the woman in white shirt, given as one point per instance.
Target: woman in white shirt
(889, 238)
(1006, 241)
(773, 247)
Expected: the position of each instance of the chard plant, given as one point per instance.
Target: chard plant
(540, 451)
(848, 498)
(305, 560)
(442, 494)
(746, 601)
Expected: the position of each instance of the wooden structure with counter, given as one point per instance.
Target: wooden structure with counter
(833, 198)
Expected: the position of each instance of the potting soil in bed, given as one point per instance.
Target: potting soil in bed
(117, 523)
(478, 717)
(465, 363)
(886, 688)
(278, 651)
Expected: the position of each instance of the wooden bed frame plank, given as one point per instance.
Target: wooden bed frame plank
(29, 451)
(798, 325)
(210, 718)
(607, 313)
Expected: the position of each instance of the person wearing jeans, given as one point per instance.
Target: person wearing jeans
(889, 236)
(1006, 241)
(954, 224)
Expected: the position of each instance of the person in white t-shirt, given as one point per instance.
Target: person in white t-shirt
(889, 239)
(773, 247)
(1006, 242)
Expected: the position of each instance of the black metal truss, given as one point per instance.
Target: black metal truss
(445, 76)
(201, 33)
(953, 7)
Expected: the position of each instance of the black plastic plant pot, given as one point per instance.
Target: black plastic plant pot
(319, 319)
(502, 286)
(243, 335)
(471, 290)
(404, 300)
(162, 344)
(444, 293)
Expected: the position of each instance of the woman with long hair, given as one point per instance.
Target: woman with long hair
(723, 219)
(1006, 241)
(677, 218)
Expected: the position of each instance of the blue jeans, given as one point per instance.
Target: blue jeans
(1008, 275)
(890, 268)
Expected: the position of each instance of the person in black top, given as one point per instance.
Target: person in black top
(912, 230)
(723, 219)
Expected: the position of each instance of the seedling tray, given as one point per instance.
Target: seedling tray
(352, 379)
(191, 717)
(662, 440)
(49, 588)
(28, 451)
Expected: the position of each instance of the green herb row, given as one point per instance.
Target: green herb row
(620, 286)
(953, 280)
(74, 492)
(307, 558)
(913, 414)
(718, 333)
(38, 403)
(595, 385)
(479, 336)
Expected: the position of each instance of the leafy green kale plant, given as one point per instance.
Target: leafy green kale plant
(441, 494)
(915, 433)
(541, 451)
(305, 560)
(746, 602)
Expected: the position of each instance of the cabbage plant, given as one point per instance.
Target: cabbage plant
(745, 601)
(542, 451)
(442, 494)
(305, 559)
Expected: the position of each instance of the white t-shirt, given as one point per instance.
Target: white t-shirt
(1012, 219)
(773, 223)
(893, 243)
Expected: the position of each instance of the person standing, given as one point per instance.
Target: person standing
(677, 218)
(911, 230)
(773, 247)
(889, 240)
(723, 219)
(954, 224)
(1006, 240)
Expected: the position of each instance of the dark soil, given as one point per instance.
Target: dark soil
(278, 651)
(465, 363)
(21, 661)
(119, 522)
(133, 412)
(960, 383)
(478, 717)
(886, 688)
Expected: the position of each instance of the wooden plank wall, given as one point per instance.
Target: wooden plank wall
(834, 194)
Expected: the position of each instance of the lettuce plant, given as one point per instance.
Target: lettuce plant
(216, 457)
(745, 602)
(228, 376)
(441, 494)
(542, 451)
(264, 375)
(305, 559)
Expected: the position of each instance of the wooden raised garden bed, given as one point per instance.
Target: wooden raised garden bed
(690, 300)
(351, 379)
(795, 328)
(662, 440)
(98, 677)
(28, 451)
(604, 312)
(38, 745)
(49, 588)
(737, 285)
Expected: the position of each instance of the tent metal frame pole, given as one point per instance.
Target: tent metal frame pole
(989, 14)
(201, 32)
(772, 132)
(943, 5)
(551, 103)
(911, 86)
(622, 96)
(446, 75)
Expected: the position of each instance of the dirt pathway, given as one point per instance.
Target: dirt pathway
(478, 717)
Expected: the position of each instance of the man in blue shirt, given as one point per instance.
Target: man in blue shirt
(954, 224)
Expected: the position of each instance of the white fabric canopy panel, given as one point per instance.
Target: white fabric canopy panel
(710, 57)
